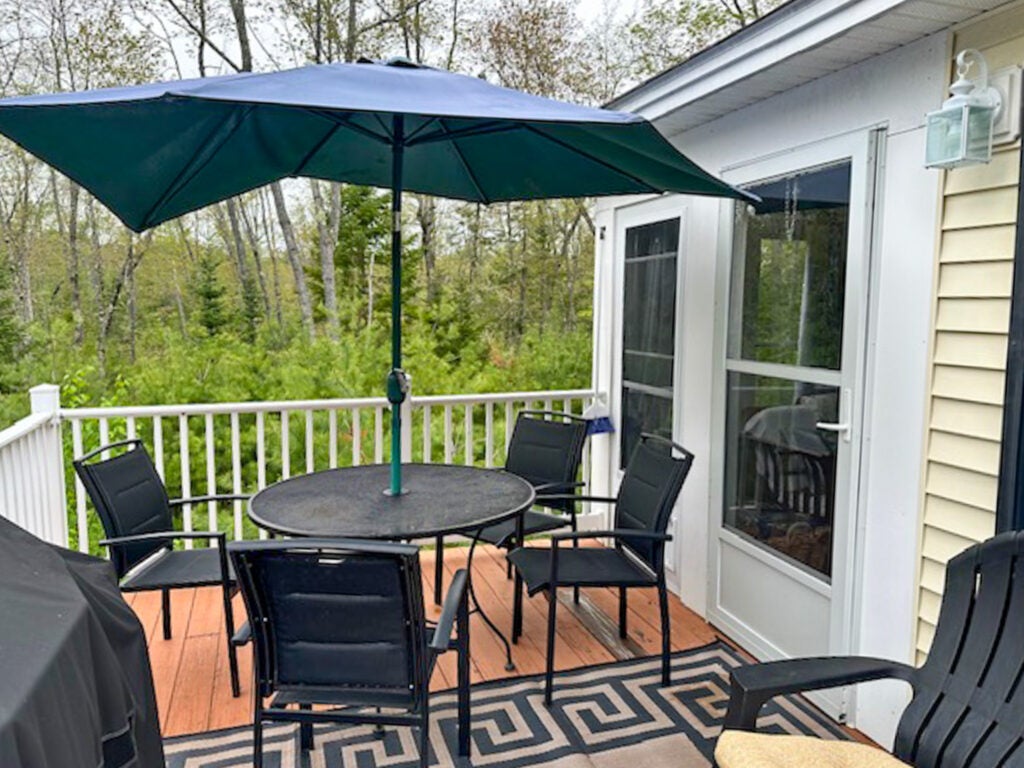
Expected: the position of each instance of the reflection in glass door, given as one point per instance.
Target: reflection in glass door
(784, 402)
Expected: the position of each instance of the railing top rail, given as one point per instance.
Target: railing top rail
(198, 409)
(24, 427)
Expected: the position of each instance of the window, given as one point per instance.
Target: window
(648, 332)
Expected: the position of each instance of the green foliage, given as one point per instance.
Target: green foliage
(210, 295)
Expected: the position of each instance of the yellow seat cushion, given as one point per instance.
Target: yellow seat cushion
(742, 749)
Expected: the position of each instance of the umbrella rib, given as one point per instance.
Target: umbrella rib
(445, 134)
(345, 119)
(466, 166)
(199, 161)
(410, 139)
(316, 148)
(599, 161)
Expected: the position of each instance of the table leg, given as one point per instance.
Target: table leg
(477, 608)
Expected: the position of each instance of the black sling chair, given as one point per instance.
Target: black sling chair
(340, 622)
(968, 704)
(132, 504)
(546, 450)
(647, 494)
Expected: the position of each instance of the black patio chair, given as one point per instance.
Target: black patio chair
(647, 494)
(546, 450)
(132, 504)
(968, 703)
(340, 622)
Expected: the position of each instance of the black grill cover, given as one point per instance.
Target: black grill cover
(75, 684)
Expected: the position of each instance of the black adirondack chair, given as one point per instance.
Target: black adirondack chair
(647, 494)
(968, 705)
(340, 622)
(132, 504)
(546, 449)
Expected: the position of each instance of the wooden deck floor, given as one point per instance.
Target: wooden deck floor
(191, 671)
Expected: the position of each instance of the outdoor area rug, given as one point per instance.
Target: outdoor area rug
(603, 716)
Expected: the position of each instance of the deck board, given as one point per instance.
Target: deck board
(190, 671)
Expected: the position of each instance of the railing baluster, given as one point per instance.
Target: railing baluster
(286, 451)
(428, 443)
(186, 481)
(104, 436)
(130, 428)
(509, 416)
(158, 446)
(449, 445)
(567, 406)
(357, 439)
(236, 474)
(547, 405)
(378, 434)
(489, 434)
(211, 472)
(261, 458)
(468, 434)
(81, 515)
(332, 431)
(310, 460)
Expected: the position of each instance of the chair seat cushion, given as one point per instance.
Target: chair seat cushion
(579, 566)
(533, 523)
(178, 568)
(741, 749)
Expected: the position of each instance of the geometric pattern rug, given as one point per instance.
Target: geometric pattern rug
(603, 716)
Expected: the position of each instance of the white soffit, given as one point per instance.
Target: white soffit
(799, 42)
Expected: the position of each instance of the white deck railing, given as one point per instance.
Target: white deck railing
(31, 470)
(241, 447)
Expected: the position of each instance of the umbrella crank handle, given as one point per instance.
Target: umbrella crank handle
(398, 386)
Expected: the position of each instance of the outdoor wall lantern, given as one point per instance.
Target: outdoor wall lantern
(961, 132)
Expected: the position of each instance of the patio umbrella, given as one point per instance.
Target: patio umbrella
(151, 153)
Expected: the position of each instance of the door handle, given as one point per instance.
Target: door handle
(841, 427)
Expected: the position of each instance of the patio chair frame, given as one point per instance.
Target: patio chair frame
(124, 545)
(450, 632)
(551, 490)
(642, 548)
(968, 701)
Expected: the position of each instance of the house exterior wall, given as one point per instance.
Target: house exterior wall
(971, 318)
(889, 94)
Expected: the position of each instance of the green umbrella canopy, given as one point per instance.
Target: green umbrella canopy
(153, 152)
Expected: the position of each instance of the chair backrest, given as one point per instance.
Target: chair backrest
(968, 705)
(342, 616)
(129, 496)
(547, 448)
(649, 489)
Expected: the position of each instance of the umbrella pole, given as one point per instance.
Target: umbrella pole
(397, 383)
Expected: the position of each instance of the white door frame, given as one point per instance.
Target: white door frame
(860, 148)
(648, 211)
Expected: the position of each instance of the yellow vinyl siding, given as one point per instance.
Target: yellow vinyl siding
(972, 314)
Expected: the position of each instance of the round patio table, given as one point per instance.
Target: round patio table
(438, 499)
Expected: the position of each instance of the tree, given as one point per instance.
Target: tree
(210, 292)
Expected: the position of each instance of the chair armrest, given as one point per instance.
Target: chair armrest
(163, 536)
(546, 486)
(457, 593)
(242, 636)
(751, 686)
(616, 533)
(212, 497)
(573, 497)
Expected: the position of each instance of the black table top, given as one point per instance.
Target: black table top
(350, 501)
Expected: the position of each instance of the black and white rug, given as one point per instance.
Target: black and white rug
(602, 717)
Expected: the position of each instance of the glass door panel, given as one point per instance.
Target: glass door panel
(648, 331)
(785, 354)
